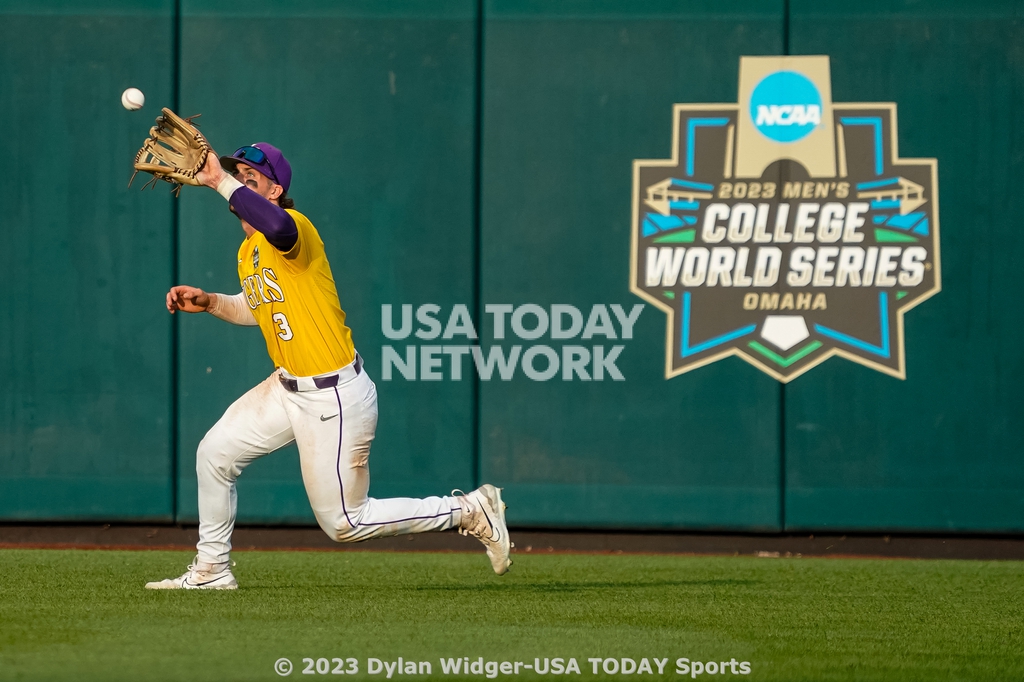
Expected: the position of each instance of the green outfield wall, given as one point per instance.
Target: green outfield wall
(942, 449)
(375, 105)
(86, 358)
(473, 160)
(573, 92)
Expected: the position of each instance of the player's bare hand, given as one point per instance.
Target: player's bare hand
(212, 173)
(189, 299)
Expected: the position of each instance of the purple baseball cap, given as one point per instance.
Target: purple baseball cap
(264, 157)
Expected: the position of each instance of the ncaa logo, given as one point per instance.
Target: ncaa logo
(740, 236)
(785, 106)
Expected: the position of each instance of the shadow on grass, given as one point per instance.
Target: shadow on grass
(559, 586)
(563, 586)
(509, 586)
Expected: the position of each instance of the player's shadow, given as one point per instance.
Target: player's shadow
(565, 586)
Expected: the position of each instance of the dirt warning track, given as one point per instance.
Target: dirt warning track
(126, 536)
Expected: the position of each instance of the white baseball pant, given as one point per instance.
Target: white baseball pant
(333, 428)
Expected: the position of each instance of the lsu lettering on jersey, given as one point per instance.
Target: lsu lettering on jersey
(295, 301)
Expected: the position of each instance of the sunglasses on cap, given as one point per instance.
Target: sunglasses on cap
(256, 156)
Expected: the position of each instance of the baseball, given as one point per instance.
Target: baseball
(132, 99)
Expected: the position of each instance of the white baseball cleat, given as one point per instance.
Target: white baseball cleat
(483, 517)
(199, 576)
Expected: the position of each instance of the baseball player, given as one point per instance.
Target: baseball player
(318, 396)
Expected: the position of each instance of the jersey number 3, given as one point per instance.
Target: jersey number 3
(286, 332)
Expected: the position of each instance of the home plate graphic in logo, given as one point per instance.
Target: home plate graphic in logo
(785, 228)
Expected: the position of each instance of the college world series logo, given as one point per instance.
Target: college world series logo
(785, 229)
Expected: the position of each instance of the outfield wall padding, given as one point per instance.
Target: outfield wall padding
(374, 104)
(573, 92)
(85, 349)
(480, 152)
(941, 450)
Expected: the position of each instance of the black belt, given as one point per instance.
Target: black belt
(326, 381)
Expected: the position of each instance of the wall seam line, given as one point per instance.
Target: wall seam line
(175, 246)
(782, 386)
(477, 446)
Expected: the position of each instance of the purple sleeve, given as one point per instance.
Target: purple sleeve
(270, 219)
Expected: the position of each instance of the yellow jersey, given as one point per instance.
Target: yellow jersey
(295, 301)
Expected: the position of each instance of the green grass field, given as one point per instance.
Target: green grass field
(83, 615)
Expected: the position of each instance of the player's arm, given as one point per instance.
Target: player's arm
(233, 309)
(273, 221)
(265, 216)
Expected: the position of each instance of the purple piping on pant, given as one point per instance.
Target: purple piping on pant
(341, 486)
(411, 518)
(337, 465)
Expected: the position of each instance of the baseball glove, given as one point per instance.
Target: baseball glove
(174, 152)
